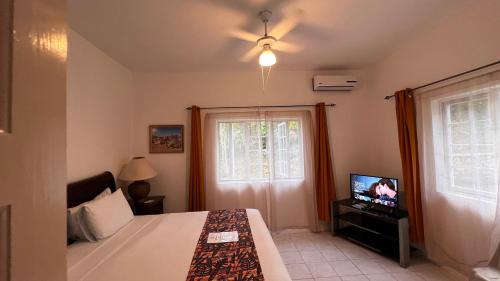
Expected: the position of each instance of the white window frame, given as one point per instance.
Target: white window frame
(444, 161)
(261, 151)
(282, 149)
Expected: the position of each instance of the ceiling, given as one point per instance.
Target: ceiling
(193, 35)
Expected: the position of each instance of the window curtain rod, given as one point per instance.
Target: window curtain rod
(260, 106)
(449, 77)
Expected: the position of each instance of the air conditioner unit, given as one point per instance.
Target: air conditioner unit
(334, 83)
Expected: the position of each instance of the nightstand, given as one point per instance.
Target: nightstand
(151, 205)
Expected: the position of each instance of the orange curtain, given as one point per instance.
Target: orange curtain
(325, 186)
(408, 146)
(196, 172)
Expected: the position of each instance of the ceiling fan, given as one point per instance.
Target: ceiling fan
(270, 41)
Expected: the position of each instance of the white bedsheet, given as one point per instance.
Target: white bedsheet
(160, 248)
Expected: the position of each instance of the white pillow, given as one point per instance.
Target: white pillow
(106, 216)
(77, 230)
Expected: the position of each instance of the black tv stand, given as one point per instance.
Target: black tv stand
(384, 231)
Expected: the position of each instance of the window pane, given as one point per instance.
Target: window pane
(255, 164)
(265, 164)
(484, 132)
(462, 162)
(254, 142)
(460, 133)
(288, 150)
(243, 150)
(484, 148)
(224, 165)
(485, 161)
(470, 146)
(480, 109)
(264, 131)
(280, 149)
(460, 149)
(295, 147)
(462, 177)
(487, 180)
(255, 171)
(459, 112)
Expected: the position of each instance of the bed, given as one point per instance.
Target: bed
(155, 247)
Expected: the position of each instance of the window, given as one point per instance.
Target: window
(469, 161)
(253, 150)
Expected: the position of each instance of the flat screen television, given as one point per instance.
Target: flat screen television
(375, 190)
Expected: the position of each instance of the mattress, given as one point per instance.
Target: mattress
(161, 247)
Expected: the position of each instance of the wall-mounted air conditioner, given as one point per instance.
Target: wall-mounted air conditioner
(334, 83)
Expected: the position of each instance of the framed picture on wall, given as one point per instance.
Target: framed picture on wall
(6, 35)
(166, 139)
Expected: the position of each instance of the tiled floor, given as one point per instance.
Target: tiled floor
(323, 257)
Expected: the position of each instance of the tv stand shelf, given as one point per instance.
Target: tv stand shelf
(384, 233)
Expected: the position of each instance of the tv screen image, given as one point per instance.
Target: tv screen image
(377, 190)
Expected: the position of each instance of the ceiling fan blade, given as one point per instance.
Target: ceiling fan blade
(287, 24)
(286, 47)
(251, 54)
(244, 35)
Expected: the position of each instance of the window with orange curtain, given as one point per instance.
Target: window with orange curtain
(262, 160)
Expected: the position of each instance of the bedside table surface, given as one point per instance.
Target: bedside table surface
(151, 205)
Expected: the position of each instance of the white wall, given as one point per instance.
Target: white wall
(99, 111)
(161, 98)
(466, 38)
(33, 157)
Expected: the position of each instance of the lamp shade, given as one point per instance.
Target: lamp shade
(137, 169)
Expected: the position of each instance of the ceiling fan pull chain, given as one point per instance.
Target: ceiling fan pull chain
(264, 80)
(268, 74)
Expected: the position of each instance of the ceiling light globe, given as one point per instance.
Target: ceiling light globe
(267, 58)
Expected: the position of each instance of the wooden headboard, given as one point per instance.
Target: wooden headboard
(86, 189)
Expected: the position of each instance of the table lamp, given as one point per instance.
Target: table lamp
(138, 170)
